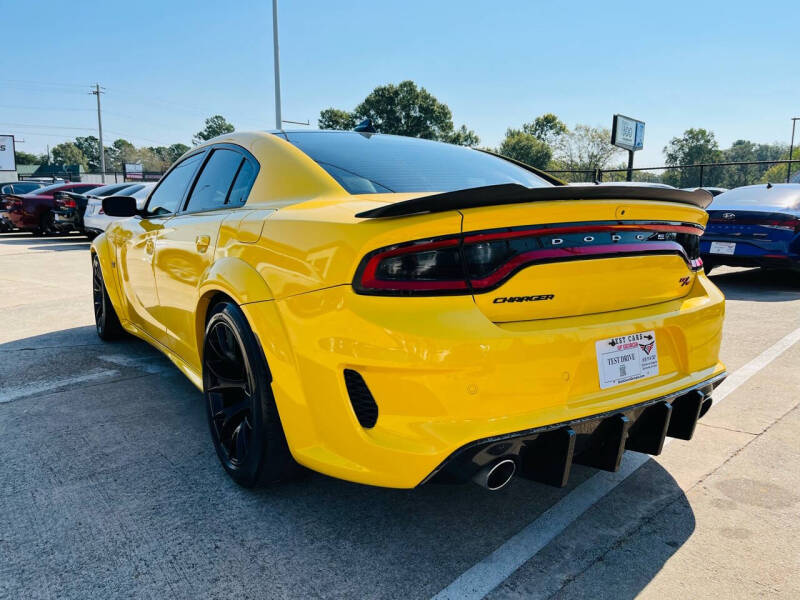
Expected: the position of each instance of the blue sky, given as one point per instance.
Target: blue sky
(727, 66)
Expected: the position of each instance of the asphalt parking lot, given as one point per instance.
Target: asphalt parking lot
(109, 485)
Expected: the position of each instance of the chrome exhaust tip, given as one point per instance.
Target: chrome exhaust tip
(496, 475)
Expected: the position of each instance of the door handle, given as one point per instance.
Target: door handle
(149, 246)
(201, 242)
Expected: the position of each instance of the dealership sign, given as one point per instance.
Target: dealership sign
(627, 133)
(7, 161)
(133, 171)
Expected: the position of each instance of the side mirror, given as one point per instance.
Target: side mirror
(120, 206)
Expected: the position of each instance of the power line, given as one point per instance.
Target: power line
(46, 108)
(43, 83)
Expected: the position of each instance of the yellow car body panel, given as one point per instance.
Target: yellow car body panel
(444, 370)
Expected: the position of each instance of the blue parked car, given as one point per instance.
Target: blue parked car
(754, 226)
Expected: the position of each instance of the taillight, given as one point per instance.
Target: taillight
(477, 262)
(428, 266)
(66, 203)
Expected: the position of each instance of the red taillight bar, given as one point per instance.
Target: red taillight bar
(538, 231)
(366, 279)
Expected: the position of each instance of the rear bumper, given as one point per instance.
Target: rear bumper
(752, 253)
(767, 261)
(444, 376)
(65, 220)
(546, 454)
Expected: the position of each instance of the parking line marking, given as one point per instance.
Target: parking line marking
(13, 393)
(480, 579)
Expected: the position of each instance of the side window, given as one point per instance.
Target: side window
(214, 183)
(169, 195)
(243, 183)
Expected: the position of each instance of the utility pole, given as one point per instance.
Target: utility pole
(791, 148)
(96, 91)
(276, 55)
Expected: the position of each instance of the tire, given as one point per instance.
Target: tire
(45, 225)
(105, 317)
(242, 415)
(90, 234)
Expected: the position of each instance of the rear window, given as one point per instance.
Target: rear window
(49, 189)
(753, 197)
(376, 163)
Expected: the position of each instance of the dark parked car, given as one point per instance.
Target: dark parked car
(32, 212)
(20, 187)
(754, 226)
(70, 206)
(14, 187)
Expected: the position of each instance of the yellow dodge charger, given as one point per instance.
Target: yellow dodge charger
(394, 311)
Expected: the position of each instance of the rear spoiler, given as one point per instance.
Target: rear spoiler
(513, 193)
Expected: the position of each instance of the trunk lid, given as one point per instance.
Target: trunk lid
(576, 257)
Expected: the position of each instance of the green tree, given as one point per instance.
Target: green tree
(175, 151)
(526, 147)
(463, 137)
(777, 173)
(68, 154)
(26, 158)
(402, 109)
(121, 151)
(694, 147)
(583, 148)
(214, 126)
(547, 128)
(90, 146)
(334, 118)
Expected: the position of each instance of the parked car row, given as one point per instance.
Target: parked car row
(60, 207)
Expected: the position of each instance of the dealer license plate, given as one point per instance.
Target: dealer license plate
(723, 247)
(626, 358)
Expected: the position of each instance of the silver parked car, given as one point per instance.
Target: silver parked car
(95, 221)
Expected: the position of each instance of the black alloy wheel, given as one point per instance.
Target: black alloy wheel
(242, 415)
(105, 317)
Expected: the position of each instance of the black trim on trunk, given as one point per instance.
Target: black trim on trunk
(513, 193)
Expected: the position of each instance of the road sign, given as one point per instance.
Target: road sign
(627, 133)
(7, 160)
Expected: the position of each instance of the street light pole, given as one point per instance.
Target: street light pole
(97, 93)
(276, 55)
(791, 149)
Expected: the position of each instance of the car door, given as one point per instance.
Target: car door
(185, 249)
(135, 243)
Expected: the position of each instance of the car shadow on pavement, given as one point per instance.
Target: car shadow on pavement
(28, 239)
(115, 477)
(758, 285)
(78, 245)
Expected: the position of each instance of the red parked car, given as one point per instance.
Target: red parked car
(33, 212)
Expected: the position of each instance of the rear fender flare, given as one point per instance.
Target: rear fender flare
(234, 278)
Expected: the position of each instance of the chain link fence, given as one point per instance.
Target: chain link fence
(725, 174)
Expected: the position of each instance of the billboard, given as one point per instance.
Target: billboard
(627, 133)
(133, 171)
(7, 161)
